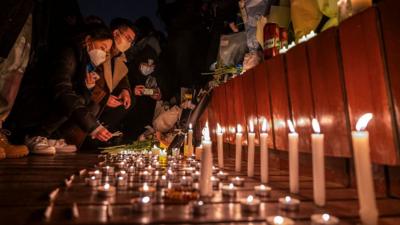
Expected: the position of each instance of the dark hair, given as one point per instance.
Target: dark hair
(145, 25)
(121, 23)
(92, 19)
(99, 32)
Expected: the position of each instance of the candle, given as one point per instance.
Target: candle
(198, 208)
(162, 182)
(93, 181)
(222, 175)
(279, 220)
(206, 164)
(146, 190)
(186, 181)
(229, 190)
(262, 191)
(215, 182)
(175, 152)
(95, 173)
(199, 151)
(141, 204)
(162, 158)
(359, 5)
(289, 204)
(324, 219)
(238, 181)
(250, 204)
(317, 143)
(155, 150)
(365, 185)
(220, 146)
(144, 176)
(108, 170)
(189, 151)
(122, 182)
(293, 158)
(238, 140)
(250, 149)
(264, 151)
(106, 190)
(196, 175)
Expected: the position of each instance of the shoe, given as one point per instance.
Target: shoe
(61, 146)
(40, 145)
(11, 151)
(2, 153)
(251, 60)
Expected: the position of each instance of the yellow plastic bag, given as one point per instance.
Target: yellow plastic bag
(330, 9)
(305, 16)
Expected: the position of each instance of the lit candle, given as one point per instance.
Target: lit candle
(250, 204)
(108, 170)
(250, 149)
(95, 173)
(222, 175)
(92, 181)
(317, 143)
(215, 182)
(262, 190)
(162, 182)
(146, 190)
(220, 146)
(145, 176)
(264, 151)
(122, 182)
(324, 219)
(189, 151)
(199, 151)
(186, 181)
(141, 204)
(238, 181)
(229, 190)
(293, 158)
(206, 164)
(279, 220)
(106, 190)
(238, 143)
(365, 185)
(198, 208)
(162, 158)
(196, 175)
(289, 204)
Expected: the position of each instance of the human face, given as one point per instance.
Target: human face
(104, 45)
(127, 33)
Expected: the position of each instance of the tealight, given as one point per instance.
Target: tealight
(238, 181)
(289, 204)
(222, 175)
(324, 219)
(186, 181)
(215, 182)
(171, 174)
(122, 182)
(131, 169)
(93, 181)
(106, 190)
(196, 175)
(108, 170)
(279, 220)
(142, 205)
(146, 190)
(95, 173)
(145, 176)
(250, 204)
(199, 208)
(262, 191)
(120, 164)
(229, 190)
(215, 170)
(162, 182)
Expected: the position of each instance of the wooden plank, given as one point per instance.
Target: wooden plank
(328, 92)
(365, 79)
(300, 95)
(262, 90)
(279, 100)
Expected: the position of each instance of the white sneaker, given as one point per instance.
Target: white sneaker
(40, 145)
(61, 146)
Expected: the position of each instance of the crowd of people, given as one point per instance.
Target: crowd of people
(68, 81)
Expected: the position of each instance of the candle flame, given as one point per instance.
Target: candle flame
(93, 177)
(96, 172)
(262, 186)
(200, 203)
(145, 187)
(315, 126)
(107, 186)
(291, 126)
(219, 129)
(163, 177)
(239, 128)
(206, 133)
(251, 126)
(146, 199)
(231, 186)
(264, 125)
(250, 199)
(278, 220)
(326, 217)
(363, 121)
(288, 199)
(190, 126)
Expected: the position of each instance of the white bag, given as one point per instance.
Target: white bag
(167, 120)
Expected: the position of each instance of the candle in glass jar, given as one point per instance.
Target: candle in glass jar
(220, 146)
(189, 151)
(106, 190)
(324, 219)
(317, 143)
(198, 208)
(238, 181)
(250, 149)
(264, 151)
(229, 190)
(142, 204)
(262, 191)
(293, 158)
(250, 204)
(206, 164)
(279, 220)
(238, 143)
(289, 204)
(365, 184)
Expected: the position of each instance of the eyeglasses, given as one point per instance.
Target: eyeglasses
(126, 36)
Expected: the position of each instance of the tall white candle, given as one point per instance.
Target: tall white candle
(250, 149)
(317, 143)
(365, 185)
(264, 151)
(220, 146)
(190, 141)
(238, 142)
(206, 164)
(293, 158)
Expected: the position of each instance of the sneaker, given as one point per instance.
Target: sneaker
(40, 145)
(251, 60)
(11, 151)
(61, 146)
(2, 153)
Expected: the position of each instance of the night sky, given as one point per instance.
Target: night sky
(131, 9)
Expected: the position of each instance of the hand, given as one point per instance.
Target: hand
(103, 135)
(91, 79)
(233, 27)
(157, 95)
(126, 98)
(113, 101)
(139, 90)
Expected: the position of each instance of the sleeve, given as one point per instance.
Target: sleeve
(62, 70)
(123, 84)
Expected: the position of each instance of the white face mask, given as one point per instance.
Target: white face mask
(146, 69)
(123, 44)
(97, 56)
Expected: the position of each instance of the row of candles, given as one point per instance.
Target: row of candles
(360, 139)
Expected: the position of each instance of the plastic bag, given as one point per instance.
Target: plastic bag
(232, 48)
(305, 16)
(167, 120)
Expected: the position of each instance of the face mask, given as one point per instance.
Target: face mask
(123, 45)
(97, 56)
(146, 69)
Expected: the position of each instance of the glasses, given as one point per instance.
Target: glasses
(126, 36)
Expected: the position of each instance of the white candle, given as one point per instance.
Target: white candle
(293, 158)
(220, 146)
(264, 151)
(250, 149)
(365, 185)
(238, 143)
(317, 143)
(190, 141)
(206, 164)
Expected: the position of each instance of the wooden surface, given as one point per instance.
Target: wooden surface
(230, 109)
(238, 98)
